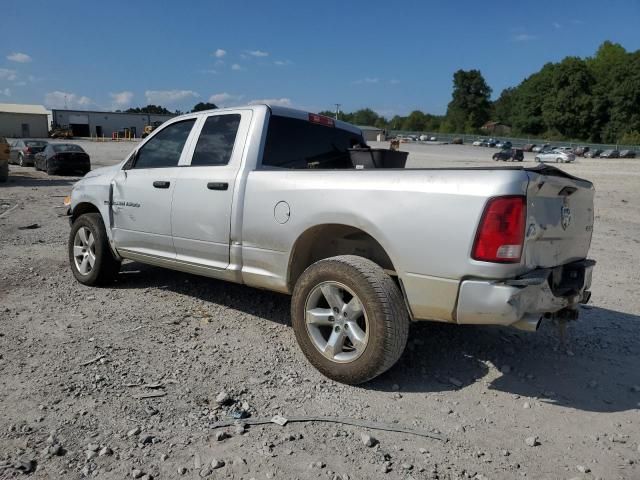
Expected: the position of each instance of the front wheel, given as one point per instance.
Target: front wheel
(349, 318)
(90, 256)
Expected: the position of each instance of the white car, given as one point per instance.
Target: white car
(477, 143)
(555, 155)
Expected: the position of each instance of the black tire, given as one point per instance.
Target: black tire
(106, 266)
(388, 320)
(50, 171)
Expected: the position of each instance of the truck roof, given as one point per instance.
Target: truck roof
(286, 112)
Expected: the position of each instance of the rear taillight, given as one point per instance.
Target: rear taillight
(27, 150)
(500, 235)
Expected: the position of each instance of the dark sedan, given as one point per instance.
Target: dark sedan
(63, 157)
(627, 154)
(23, 152)
(610, 154)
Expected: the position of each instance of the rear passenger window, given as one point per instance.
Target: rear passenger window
(216, 141)
(165, 148)
(294, 143)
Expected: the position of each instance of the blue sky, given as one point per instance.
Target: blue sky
(391, 56)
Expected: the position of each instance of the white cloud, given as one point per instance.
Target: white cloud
(282, 63)
(258, 53)
(523, 37)
(219, 53)
(60, 99)
(121, 99)
(367, 80)
(237, 67)
(281, 102)
(19, 57)
(162, 97)
(6, 92)
(6, 74)
(223, 98)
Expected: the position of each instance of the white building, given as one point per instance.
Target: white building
(23, 121)
(86, 123)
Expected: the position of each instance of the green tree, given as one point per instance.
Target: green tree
(470, 106)
(199, 107)
(153, 109)
(568, 106)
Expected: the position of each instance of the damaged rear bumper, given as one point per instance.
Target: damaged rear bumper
(521, 302)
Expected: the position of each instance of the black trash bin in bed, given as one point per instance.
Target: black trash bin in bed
(377, 158)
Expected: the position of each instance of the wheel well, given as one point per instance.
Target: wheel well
(83, 208)
(330, 240)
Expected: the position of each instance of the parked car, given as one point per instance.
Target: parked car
(627, 154)
(565, 149)
(516, 155)
(478, 143)
(539, 148)
(595, 153)
(581, 151)
(336, 239)
(63, 158)
(457, 141)
(23, 152)
(610, 154)
(555, 155)
(5, 151)
(528, 147)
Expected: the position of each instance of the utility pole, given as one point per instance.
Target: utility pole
(338, 105)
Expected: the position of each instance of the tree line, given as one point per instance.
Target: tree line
(593, 99)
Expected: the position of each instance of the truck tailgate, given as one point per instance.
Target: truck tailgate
(559, 217)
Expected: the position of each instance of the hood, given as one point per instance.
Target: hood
(98, 172)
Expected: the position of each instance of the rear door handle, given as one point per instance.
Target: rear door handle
(218, 186)
(161, 184)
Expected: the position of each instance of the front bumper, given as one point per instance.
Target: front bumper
(524, 299)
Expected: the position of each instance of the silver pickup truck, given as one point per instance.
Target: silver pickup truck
(259, 195)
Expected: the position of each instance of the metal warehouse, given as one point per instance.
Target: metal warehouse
(22, 121)
(98, 124)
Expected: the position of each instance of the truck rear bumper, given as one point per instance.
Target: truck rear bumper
(521, 302)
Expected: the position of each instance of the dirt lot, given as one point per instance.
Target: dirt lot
(73, 361)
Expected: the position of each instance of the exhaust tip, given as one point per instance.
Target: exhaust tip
(528, 324)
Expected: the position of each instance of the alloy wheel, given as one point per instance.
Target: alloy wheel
(84, 253)
(336, 322)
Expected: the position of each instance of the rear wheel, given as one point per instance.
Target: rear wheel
(349, 318)
(559, 160)
(90, 256)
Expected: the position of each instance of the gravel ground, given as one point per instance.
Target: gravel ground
(74, 362)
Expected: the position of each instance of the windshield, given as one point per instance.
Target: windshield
(67, 148)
